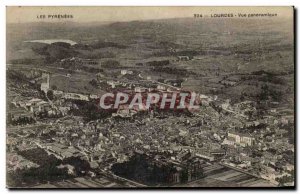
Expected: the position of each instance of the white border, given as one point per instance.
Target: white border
(5, 3)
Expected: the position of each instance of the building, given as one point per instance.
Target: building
(234, 138)
(112, 83)
(183, 58)
(74, 96)
(45, 85)
(140, 89)
(20, 115)
(161, 87)
(40, 106)
(124, 72)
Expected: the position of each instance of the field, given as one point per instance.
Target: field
(222, 176)
(221, 51)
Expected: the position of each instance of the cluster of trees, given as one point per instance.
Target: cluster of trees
(158, 63)
(90, 110)
(286, 179)
(21, 121)
(94, 83)
(110, 64)
(77, 65)
(17, 76)
(141, 169)
(81, 166)
(272, 79)
(47, 170)
(60, 50)
(55, 51)
(268, 93)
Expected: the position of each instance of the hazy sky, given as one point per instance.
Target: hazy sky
(110, 14)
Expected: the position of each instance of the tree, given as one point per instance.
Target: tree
(50, 94)
(54, 87)
(94, 83)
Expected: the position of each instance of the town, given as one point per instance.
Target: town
(150, 109)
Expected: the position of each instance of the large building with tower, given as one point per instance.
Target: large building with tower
(45, 85)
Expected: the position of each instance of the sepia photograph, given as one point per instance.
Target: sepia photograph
(143, 97)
